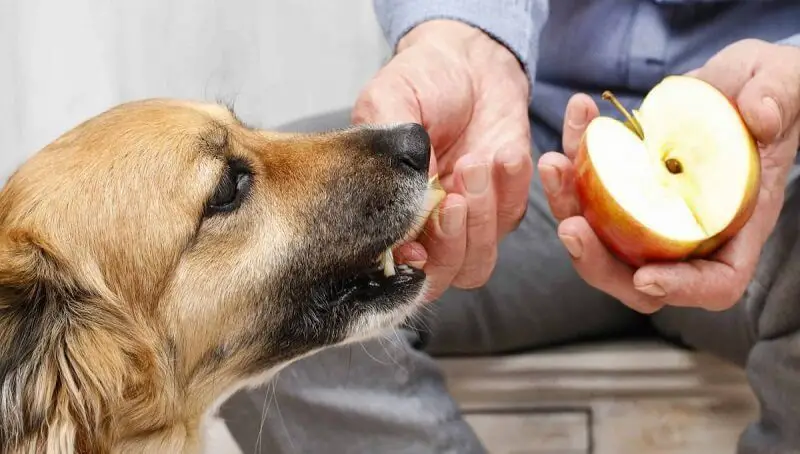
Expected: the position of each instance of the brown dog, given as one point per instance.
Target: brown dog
(162, 255)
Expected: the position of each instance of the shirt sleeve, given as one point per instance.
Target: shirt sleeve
(793, 40)
(516, 24)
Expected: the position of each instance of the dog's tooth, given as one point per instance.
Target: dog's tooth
(388, 263)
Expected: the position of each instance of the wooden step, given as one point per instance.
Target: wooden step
(613, 398)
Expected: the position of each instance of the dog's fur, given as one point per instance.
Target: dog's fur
(132, 304)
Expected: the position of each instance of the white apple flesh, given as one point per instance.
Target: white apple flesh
(676, 182)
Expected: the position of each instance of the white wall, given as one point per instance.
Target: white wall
(62, 61)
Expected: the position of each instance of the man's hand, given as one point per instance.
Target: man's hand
(763, 80)
(470, 93)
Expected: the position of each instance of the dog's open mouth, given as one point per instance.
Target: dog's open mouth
(433, 196)
(385, 275)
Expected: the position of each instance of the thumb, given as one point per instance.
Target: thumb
(386, 100)
(769, 103)
(770, 100)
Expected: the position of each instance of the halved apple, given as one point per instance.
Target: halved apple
(675, 181)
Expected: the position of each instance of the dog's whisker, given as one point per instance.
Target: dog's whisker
(370, 355)
(269, 396)
(387, 350)
(283, 422)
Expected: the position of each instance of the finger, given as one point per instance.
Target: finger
(600, 269)
(770, 101)
(698, 283)
(707, 284)
(513, 170)
(558, 180)
(412, 253)
(713, 284)
(581, 109)
(445, 242)
(474, 181)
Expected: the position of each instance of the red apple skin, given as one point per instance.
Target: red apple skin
(628, 239)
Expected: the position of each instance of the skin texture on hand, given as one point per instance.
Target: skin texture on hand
(471, 94)
(763, 80)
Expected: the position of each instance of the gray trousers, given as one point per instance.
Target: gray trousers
(387, 395)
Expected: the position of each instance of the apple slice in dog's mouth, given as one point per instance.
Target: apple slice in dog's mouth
(430, 208)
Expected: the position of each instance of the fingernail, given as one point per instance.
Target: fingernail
(454, 218)
(577, 118)
(551, 179)
(772, 105)
(476, 178)
(417, 264)
(652, 290)
(513, 166)
(573, 245)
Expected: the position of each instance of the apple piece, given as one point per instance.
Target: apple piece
(675, 181)
(430, 208)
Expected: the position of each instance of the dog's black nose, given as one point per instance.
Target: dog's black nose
(408, 145)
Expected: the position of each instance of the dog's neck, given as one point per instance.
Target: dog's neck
(160, 417)
(135, 406)
(183, 409)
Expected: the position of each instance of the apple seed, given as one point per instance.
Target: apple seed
(674, 166)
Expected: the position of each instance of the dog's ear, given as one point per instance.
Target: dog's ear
(49, 401)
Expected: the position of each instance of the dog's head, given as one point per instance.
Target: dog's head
(160, 254)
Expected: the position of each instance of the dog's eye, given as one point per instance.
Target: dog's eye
(231, 190)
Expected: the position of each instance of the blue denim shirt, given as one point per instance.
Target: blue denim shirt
(594, 45)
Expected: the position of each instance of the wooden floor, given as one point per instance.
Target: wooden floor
(604, 399)
(628, 398)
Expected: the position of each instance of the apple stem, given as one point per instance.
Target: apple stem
(634, 123)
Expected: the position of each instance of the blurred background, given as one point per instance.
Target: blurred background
(64, 61)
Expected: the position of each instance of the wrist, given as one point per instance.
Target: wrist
(446, 31)
(479, 50)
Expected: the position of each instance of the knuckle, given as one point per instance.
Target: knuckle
(750, 43)
(729, 299)
(594, 276)
(476, 273)
(470, 281)
(484, 253)
(365, 106)
(480, 218)
(513, 215)
(648, 307)
(746, 45)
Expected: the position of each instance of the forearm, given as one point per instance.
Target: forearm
(514, 23)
